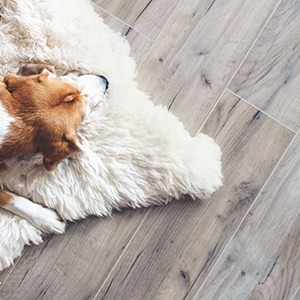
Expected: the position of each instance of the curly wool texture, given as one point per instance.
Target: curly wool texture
(136, 154)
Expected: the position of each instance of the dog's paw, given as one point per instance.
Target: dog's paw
(48, 221)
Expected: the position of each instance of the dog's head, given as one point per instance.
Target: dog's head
(54, 107)
(44, 93)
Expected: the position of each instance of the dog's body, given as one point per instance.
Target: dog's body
(40, 113)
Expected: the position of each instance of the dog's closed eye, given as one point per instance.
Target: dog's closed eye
(70, 97)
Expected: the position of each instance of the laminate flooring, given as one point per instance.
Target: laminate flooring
(228, 68)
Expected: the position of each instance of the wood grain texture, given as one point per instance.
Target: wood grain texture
(263, 259)
(282, 280)
(4, 275)
(270, 76)
(297, 294)
(146, 16)
(139, 44)
(178, 244)
(198, 51)
(72, 265)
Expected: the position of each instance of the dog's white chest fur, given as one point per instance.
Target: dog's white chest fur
(5, 121)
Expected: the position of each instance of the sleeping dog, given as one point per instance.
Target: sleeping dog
(40, 112)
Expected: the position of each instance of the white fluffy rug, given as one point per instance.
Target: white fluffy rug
(137, 154)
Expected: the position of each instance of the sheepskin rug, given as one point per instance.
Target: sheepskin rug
(136, 154)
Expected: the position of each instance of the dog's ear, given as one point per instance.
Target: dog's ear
(72, 143)
(68, 146)
(43, 76)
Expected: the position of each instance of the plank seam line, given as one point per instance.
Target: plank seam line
(257, 108)
(255, 40)
(243, 60)
(123, 22)
(158, 35)
(247, 213)
(122, 254)
(294, 296)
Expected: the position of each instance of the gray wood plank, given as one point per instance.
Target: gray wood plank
(4, 275)
(198, 51)
(263, 259)
(270, 76)
(282, 279)
(139, 44)
(297, 294)
(146, 16)
(70, 266)
(178, 244)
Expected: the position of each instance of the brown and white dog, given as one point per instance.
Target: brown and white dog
(40, 112)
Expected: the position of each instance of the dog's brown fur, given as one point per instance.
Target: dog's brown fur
(47, 112)
(43, 115)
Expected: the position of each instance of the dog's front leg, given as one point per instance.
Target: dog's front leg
(43, 218)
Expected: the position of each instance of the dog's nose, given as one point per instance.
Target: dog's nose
(105, 81)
